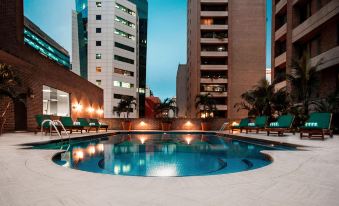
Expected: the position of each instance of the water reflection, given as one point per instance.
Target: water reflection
(165, 155)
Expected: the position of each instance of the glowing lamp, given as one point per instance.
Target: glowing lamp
(142, 124)
(90, 109)
(77, 107)
(235, 124)
(100, 111)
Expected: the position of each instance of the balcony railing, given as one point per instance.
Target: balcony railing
(326, 59)
(279, 60)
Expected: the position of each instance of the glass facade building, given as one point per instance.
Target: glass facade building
(45, 45)
(142, 8)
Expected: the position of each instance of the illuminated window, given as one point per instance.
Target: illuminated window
(123, 72)
(98, 82)
(98, 69)
(124, 34)
(123, 84)
(98, 56)
(98, 3)
(124, 9)
(207, 21)
(125, 22)
(55, 102)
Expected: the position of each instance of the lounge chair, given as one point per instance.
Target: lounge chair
(318, 125)
(39, 118)
(70, 125)
(97, 123)
(243, 123)
(283, 125)
(259, 124)
(87, 125)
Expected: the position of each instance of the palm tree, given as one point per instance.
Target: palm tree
(264, 100)
(125, 106)
(163, 108)
(328, 104)
(207, 103)
(11, 87)
(304, 80)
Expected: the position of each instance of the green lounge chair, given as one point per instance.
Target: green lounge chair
(284, 124)
(318, 125)
(97, 123)
(259, 124)
(87, 125)
(70, 125)
(243, 123)
(39, 118)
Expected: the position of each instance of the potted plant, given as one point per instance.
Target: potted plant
(125, 106)
(10, 87)
(206, 107)
(166, 110)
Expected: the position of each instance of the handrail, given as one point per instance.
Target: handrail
(223, 126)
(54, 123)
(64, 129)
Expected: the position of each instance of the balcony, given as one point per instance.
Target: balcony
(213, 80)
(280, 5)
(279, 60)
(214, 27)
(215, 94)
(213, 40)
(214, 53)
(281, 32)
(326, 59)
(222, 107)
(280, 85)
(214, 13)
(316, 20)
(214, 67)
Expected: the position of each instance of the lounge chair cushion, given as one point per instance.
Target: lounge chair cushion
(40, 118)
(260, 121)
(322, 120)
(284, 121)
(83, 122)
(66, 121)
(243, 123)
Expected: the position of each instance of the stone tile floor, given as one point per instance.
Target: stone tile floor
(29, 177)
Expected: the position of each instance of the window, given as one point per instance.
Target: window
(124, 34)
(98, 56)
(98, 43)
(98, 4)
(98, 69)
(98, 17)
(55, 102)
(98, 82)
(123, 46)
(123, 72)
(120, 96)
(124, 9)
(125, 22)
(123, 84)
(123, 59)
(98, 30)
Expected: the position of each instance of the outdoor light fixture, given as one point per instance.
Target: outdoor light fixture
(142, 124)
(100, 111)
(90, 109)
(235, 124)
(77, 107)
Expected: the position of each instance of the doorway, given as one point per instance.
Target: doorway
(20, 115)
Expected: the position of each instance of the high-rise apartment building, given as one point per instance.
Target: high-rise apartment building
(108, 37)
(226, 51)
(181, 93)
(309, 28)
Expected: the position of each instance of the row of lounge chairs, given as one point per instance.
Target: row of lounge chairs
(318, 125)
(70, 125)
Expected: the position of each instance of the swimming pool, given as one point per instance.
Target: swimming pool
(164, 154)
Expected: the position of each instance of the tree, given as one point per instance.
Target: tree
(125, 106)
(305, 81)
(264, 100)
(328, 104)
(11, 87)
(207, 103)
(163, 108)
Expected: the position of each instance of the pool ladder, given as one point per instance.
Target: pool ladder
(54, 124)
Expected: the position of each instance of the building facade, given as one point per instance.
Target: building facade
(142, 8)
(226, 51)
(40, 41)
(109, 32)
(182, 92)
(308, 28)
(48, 88)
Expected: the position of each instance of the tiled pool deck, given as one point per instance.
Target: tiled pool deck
(29, 177)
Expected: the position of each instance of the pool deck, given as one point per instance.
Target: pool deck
(29, 177)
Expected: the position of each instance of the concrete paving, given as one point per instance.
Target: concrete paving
(29, 177)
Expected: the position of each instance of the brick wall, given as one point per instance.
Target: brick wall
(155, 124)
(9, 116)
(36, 70)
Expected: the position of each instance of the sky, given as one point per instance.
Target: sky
(166, 36)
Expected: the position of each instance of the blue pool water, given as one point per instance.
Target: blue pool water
(161, 154)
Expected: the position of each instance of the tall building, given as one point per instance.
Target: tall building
(44, 44)
(182, 93)
(142, 8)
(226, 51)
(107, 32)
(306, 27)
